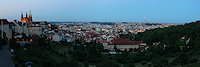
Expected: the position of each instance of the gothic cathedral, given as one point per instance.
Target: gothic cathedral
(26, 19)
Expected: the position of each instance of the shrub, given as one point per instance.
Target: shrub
(193, 60)
(61, 55)
(149, 65)
(130, 65)
(65, 53)
(56, 52)
(143, 62)
(86, 63)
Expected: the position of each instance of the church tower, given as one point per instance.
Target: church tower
(30, 17)
(23, 19)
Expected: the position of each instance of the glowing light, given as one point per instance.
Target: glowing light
(31, 40)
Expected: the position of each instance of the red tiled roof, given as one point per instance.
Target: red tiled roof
(157, 42)
(103, 41)
(123, 41)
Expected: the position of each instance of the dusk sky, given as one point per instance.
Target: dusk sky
(160, 11)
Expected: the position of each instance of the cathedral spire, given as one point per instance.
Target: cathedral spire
(30, 13)
(21, 15)
(26, 14)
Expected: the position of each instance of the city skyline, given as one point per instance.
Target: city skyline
(170, 11)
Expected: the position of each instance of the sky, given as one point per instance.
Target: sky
(159, 11)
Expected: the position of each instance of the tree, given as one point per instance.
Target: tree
(183, 59)
(2, 42)
(99, 47)
(86, 63)
(143, 62)
(69, 63)
(108, 63)
(192, 60)
(94, 55)
(115, 47)
(79, 55)
(130, 49)
(130, 65)
(125, 53)
(24, 36)
(42, 41)
(13, 44)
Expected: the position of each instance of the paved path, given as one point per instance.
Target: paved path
(5, 59)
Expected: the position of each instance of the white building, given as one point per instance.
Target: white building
(35, 30)
(6, 27)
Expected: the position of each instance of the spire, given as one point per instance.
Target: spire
(30, 13)
(21, 15)
(26, 14)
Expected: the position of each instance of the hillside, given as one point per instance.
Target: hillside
(172, 45)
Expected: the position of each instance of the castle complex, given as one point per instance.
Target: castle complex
(26, 26)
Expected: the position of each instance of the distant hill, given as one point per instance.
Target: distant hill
(61, 22)
(101, 23)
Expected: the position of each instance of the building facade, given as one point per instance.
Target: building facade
(6, 27)
(125, 43)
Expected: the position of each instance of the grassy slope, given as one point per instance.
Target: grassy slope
(48, 53)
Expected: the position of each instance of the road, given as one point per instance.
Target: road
(5, 58)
